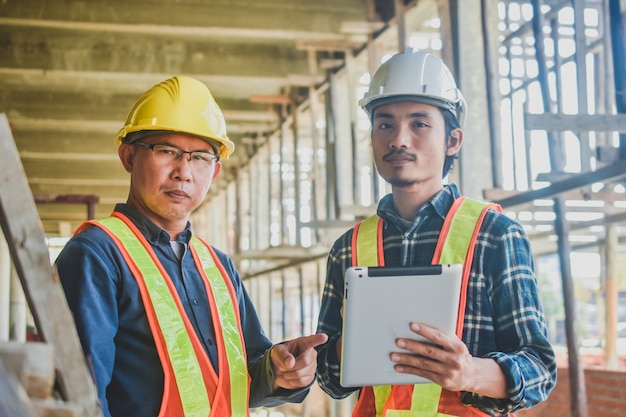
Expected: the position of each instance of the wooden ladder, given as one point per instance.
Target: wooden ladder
(26, 240)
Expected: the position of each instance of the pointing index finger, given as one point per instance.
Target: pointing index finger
(309, 342)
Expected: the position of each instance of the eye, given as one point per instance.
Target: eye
(384, 126)
(166, 150)
(420, 124)
(201, 156)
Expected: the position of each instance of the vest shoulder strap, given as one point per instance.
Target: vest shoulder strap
(163, 309)
(365, 233)
(460, 230)
(226, 308)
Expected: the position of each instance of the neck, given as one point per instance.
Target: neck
(173, 225)
(408, 200)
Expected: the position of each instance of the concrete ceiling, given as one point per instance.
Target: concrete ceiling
(70, 71)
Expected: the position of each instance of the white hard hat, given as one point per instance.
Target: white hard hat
(415, 76)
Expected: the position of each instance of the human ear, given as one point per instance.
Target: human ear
(217, 168)
(455, 140)
(126, 153)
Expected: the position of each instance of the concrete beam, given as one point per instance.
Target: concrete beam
(576, 122)
(110, 127)
(136, 83)
(222, 19)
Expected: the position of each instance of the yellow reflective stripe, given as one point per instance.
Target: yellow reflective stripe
(410, 413)
(425, 400)
(366, 252)
(366, 240)
(381, 393)
(235, 353)
(424, 403)
(194, 397)
(422, 397)
(461, 230)
(367, 237)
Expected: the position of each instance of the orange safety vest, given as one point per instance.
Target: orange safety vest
(191, 386)
(455, 245)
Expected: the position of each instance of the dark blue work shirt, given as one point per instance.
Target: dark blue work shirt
(114, 331)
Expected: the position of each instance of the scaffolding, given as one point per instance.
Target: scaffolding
(550, 115)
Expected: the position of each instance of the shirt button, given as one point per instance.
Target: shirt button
(195, 302)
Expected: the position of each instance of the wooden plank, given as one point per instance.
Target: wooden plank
(13, 399)
(54, 408)
(25, 236)
(576, 122)
(32, 364)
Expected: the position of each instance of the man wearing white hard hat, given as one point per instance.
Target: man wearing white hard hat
(500, 360)
(163, 317)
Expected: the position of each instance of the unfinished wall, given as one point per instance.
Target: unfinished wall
(606, 395)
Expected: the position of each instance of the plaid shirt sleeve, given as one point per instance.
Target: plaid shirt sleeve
(509, 326)
(330, 319)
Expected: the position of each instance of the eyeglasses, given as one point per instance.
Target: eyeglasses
(168, 154)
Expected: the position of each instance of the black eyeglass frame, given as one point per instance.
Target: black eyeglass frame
(212, 156)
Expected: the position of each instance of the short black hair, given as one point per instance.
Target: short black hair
(451, 124)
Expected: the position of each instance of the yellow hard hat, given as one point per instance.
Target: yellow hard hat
(183, 105)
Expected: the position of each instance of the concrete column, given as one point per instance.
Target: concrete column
(340, 108)
(467, 24)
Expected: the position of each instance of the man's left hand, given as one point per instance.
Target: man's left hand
(447, 362)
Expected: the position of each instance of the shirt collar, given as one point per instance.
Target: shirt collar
(150, 230)
(439, 204)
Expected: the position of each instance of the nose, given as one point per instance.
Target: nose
(183, 171)
(401, 137)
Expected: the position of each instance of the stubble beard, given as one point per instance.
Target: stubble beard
(395, 180)
(399, 183)
(176, 214)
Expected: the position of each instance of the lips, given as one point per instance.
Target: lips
(177, 193)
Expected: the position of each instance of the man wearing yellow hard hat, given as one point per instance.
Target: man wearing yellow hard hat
(163, 317)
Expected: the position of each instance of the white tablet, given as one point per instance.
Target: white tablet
(379, 304)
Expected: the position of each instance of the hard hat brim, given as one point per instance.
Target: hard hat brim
(369, 104)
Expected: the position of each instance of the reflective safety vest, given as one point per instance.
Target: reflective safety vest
(455, 246)
(191, 386)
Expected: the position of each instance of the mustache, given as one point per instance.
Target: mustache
(396, 152)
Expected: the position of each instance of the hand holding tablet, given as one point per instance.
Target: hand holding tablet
(380, 303)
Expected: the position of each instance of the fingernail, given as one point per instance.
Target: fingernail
(415, 326)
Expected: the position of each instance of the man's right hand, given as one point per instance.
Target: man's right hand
(295, 362)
